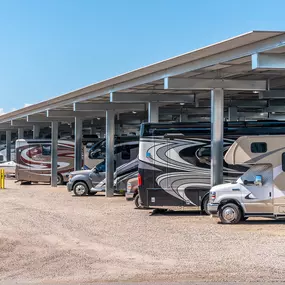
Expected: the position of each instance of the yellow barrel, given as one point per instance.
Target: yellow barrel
(2, 179)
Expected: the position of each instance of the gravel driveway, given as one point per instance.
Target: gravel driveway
(49, 236)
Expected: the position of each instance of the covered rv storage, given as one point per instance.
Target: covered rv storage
(241, 78)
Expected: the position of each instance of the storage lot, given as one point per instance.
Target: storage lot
(47, 235)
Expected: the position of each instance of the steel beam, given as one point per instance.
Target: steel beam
(107, 106)
(209, 84)
(21, 123)
(217, 136)
(20, 133)
(38, 119)
(54, 143)
(153, 112)
(8, 145)
(78, 144)
(67, 113)
(278, 109)
(272, 94)
(36, 131)
(268, 61)
(232, 114)
(110, 134)
(123, 97)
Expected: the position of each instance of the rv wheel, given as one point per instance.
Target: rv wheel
(80, 189)
(138, 202)
(230, 214)
(59, 179)
(205, 205)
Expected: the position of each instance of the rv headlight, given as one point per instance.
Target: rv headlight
(212, 196)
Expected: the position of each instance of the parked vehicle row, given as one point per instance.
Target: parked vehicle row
(169, 166)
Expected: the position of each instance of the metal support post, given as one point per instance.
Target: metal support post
(78, 144)
(183, 117)
(217, 136)
(54, 141)
(233, 114)
(20, 133)
(110, 133)
(153, 112)
(8, 145)
(36, 131)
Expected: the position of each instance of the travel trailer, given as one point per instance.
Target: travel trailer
(260, 191)
(91, 181)
(33, 160)
(175, 160)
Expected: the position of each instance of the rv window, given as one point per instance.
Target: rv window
(126, 152)
(258, 147)
(283, 161)
(46, 149)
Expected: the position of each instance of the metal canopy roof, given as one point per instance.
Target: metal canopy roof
(229, 59)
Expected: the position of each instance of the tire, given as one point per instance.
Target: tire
(138, 202)
(59, 179)
(80, 189)
(92, 193)
(230, 214)
(205, 205)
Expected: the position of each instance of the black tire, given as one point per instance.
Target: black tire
(230, 214)
(205, 205)
(59, 179)
(138, 202)
(80, 189)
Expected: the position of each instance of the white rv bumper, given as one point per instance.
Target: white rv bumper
(213, 208)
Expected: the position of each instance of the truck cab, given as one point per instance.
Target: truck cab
(260, 191)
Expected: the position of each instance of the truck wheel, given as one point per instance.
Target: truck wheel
(59, 179)
(230, 214)
(138, 202)
(80, 189)
(205, 205)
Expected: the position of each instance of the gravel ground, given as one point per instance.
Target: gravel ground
(49, 236)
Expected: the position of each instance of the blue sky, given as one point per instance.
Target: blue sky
(50, 47)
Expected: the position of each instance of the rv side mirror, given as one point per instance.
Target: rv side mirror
(258, 180)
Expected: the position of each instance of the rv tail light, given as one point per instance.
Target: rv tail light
(139, 180)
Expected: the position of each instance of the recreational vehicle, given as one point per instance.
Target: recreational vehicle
(175, 160)
(260, 191)
(91, 181)
(33, 160)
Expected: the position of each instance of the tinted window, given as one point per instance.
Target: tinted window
(283, 161)
(258, 147)
(46, 149)
(126, 152)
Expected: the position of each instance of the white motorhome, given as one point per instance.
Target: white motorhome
(260, 191)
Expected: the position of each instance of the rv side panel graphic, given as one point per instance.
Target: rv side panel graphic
(33, 158)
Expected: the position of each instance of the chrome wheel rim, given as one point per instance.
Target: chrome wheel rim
(229, 214)
(80, 189)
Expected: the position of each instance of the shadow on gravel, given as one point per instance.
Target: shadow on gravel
(96, 196)
(264, 222)
(163, 212)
